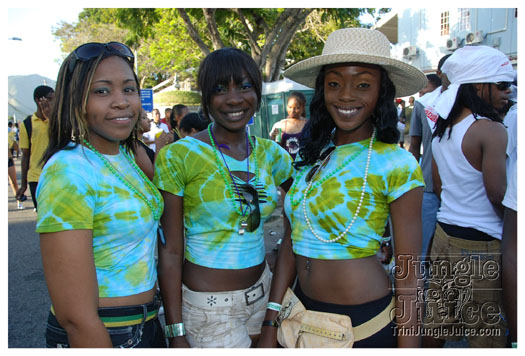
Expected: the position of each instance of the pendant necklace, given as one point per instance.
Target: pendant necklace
(307, 191)
(239, 209)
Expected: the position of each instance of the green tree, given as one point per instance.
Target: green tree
(172, 41)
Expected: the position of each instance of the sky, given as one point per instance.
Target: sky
(38, 52)
(34, 26)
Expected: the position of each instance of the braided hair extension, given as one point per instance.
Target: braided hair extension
(467, 97)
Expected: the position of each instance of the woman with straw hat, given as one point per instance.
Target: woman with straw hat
(350, 176)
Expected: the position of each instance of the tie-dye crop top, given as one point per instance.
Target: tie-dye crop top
(188, 168)
(331, 206)
(77, 191)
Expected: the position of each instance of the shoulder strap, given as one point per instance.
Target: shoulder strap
(29, 128)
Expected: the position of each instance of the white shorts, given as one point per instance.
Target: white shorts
(225, 319)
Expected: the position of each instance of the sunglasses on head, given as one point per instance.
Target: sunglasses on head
(92, 50)
(251, 200)
(503, 85)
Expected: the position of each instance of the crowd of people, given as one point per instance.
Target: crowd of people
(137, 213)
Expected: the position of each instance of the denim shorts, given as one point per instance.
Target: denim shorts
(136, 326)
(225, 319)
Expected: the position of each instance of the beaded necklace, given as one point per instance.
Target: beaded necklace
(238, 209)
(116, 173)
(324, 179)
(307, 190)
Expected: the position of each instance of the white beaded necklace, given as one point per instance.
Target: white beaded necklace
(372, 139)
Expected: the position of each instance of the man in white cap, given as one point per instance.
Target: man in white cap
(468, 149)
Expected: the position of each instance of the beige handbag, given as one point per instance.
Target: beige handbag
(301, 328)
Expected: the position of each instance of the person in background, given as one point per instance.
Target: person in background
(421, 128)
(156, 130)
(287, 131)
(509, 248)
(219, 185)
(191, 124)
(350, 176)
(11, 172)
(167, 118)
(408, 114)
(33, 146)
(177, 113)
(144, 156)
(401, 123)
(98, 215)
(469, 176)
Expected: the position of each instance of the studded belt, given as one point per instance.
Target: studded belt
(224, 299)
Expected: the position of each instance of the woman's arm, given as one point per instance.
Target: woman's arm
(143, 161)
(283, 277)
(275, 130)
(436, 179)
(171, 257)
(406, 223)
(69, 269)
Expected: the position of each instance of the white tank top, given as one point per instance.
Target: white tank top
(464, 200)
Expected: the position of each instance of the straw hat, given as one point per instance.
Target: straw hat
(364, 46)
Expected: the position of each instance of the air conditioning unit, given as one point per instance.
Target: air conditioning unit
(452, 43)
(474, 37)
(410, 51)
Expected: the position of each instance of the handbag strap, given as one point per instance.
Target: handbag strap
(375, 324)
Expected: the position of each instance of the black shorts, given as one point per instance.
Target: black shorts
(359, 314)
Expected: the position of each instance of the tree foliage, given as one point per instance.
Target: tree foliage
(173, 41)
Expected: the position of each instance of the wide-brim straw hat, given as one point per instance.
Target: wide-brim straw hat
(359, 45)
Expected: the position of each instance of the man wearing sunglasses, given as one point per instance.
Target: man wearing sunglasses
(468, 174)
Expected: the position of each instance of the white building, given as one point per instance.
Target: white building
(422, 36)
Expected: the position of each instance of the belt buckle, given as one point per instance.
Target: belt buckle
(251, 290)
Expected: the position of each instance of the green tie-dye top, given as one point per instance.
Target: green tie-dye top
(188, 168)
(332, 205)
(76, 191)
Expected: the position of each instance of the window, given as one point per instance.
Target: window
(445, 23)
(464, 20)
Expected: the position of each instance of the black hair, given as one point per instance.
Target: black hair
(434, 80)
(317, 132)
(193, 121)
(442, 61)
(297, 95)
(41, 91)
(221, 67)
(68, 110)
(467, 97)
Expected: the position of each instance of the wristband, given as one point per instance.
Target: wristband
(174, 330)
(274, 306)
(386, 239)
(270, 323)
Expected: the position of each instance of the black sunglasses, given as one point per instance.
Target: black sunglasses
(92, 50)
(321, 161)
(251, 199)
(503, 85)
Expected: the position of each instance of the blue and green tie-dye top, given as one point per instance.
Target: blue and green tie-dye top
(332, 205)
(76, 191)
(188, 168)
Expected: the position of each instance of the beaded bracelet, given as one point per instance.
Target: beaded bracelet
(174, 330)
(274, 306)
